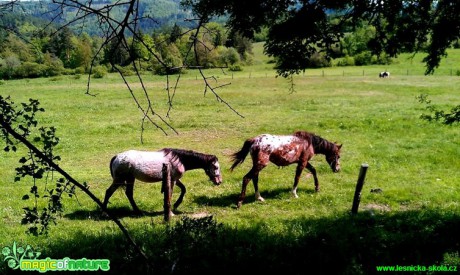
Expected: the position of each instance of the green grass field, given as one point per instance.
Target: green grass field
(413, 221)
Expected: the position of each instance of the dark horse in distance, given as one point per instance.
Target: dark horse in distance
(147, 166)
(284, 150)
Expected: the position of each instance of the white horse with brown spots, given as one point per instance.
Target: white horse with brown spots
(146, 166)
(284, 150)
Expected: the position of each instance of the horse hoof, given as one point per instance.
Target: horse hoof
(260, 199)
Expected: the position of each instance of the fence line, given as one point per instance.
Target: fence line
(344, 73)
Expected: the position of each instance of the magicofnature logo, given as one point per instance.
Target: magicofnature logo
(26, 259)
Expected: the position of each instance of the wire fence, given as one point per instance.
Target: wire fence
(335, 72)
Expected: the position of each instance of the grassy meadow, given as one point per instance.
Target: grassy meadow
(413, 220)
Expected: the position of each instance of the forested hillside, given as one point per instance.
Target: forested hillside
(42, 39)
(155, 13)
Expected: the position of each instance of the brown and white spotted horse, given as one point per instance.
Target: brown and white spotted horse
(147, 166)
(284, 150)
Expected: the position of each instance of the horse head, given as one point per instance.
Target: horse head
(213, 171)
(333, 158)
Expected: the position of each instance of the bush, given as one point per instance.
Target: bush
(363, 58)
(30, 70)
(318, 60)
(235, 68)
(54, 66)
(229, 57)
(126, 71)
(80, 70)
(68, 71)
(382, 60)
(346, 61)
(99, 72)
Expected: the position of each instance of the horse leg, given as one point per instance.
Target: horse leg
(183, 190)
(313, 171)
(110, 192)
(255, 182)
(298, 173)
(246, 180)
(129, 193)
(254, 175)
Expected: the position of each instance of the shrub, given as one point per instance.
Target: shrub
(30, 70)
(319, 60)
(80, 70)
(229, 56)
(346, 61)
(54, 66)
(126, 71)
(68, 71)
(363, 58)
(99, 72)
(235, 68)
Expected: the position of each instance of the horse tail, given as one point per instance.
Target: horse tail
(240, 156)
(111, 162)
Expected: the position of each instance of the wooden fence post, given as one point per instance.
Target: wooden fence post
(359, 187)
(166, 189)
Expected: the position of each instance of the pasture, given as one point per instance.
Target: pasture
(413, 219)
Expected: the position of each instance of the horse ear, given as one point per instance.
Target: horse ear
(340, 146)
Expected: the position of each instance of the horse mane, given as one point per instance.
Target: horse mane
(184, 155)
(320, 145)
(304, 135)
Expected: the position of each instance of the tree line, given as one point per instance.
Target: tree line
(31, 52)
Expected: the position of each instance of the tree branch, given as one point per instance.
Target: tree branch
(56, 167)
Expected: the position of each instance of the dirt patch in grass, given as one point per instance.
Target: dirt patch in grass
(372, 207)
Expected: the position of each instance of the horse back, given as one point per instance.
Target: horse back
(269, 143)
(146, 166)
(282, 150)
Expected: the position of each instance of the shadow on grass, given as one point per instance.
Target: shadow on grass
(344, 244)
(118, 212)
(231, 200)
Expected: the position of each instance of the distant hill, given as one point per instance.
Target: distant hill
(155, 14)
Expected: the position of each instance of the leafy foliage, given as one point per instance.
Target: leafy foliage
(299, 29)
(21, 120)
(439, 115)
